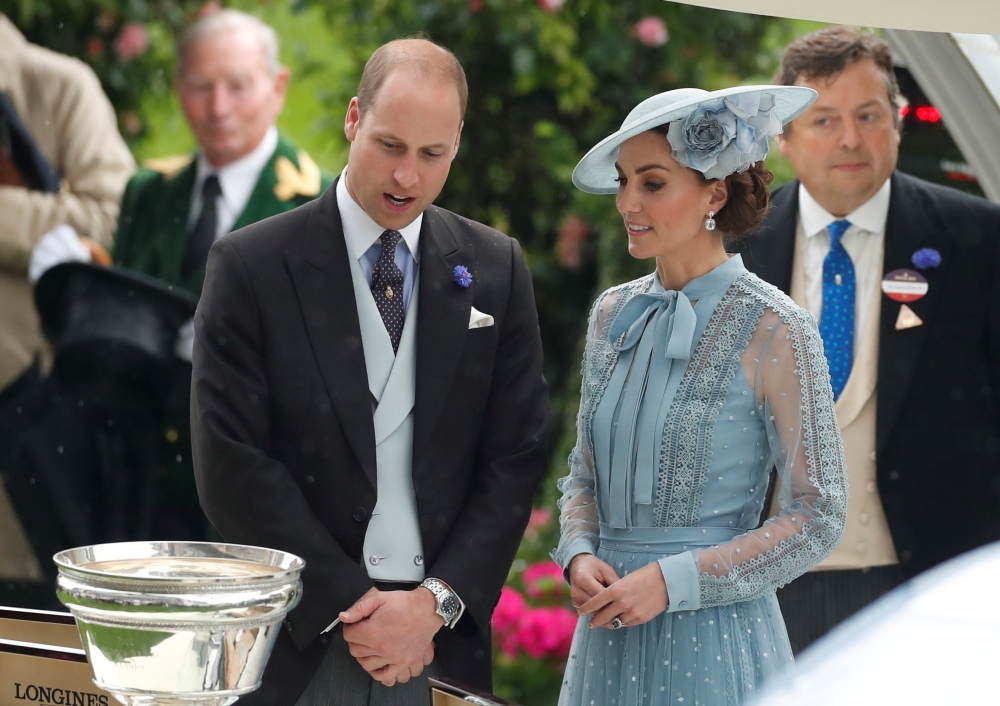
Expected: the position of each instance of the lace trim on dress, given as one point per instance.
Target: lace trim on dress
(826, 468)
(690, 427)
(599, 360)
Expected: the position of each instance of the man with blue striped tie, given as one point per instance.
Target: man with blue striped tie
(916, 378)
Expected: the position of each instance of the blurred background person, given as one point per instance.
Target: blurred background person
(232, 89)
(62, 163)
(904, 278)
(102, 451)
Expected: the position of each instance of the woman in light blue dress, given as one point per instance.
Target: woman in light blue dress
(697, 380)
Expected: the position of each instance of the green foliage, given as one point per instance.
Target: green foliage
(545, 86)
(129, 45)
(547, 81)
(526, 681)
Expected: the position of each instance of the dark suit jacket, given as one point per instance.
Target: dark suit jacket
(938, 417)
(284, 440)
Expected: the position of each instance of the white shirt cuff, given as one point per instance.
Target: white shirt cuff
(680, 572)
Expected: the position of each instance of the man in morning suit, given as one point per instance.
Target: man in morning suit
(368, 395)
(917, 382)
(232, 89)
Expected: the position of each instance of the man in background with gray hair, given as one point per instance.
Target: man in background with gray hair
(232, 89)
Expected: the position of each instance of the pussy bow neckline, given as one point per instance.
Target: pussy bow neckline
(675, 306)
(670, 318)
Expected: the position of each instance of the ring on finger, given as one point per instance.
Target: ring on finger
(617, 624)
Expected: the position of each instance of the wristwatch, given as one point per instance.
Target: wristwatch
(447, 602)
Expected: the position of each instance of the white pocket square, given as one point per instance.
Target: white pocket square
(478, 319)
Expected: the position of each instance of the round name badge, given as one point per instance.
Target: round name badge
(904, 285)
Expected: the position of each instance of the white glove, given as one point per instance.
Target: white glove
(61, 244)
(185, 341)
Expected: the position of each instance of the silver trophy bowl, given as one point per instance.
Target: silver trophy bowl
(178, 623)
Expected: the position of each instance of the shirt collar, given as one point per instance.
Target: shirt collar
(870, 216)
(238, 179)
(361, 231)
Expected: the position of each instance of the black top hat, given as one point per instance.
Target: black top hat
(114, 329)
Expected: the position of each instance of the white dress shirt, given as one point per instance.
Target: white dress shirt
(863, 241)
(236, 180)
(362, 234)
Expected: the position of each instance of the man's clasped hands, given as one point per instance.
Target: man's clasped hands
(391, 633)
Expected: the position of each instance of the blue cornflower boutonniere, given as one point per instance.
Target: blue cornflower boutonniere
(926, 258)
(463, 278)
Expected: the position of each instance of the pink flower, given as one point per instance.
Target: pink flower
(209, 8)
(652, 31)
(572, 235)
(547, 632)
(105, 20)
(476, 5)
(540, 517)
(551, 5)
(544, 579)
(508, 614)
(94, 47)
(132, 42)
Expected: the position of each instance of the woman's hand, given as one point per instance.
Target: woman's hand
(635, 599)
(588, 576)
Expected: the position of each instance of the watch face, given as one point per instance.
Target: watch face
(449, 604)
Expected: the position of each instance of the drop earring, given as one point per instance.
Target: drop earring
(710, 221)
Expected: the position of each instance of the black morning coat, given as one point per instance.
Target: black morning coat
(283, 435)
(938, 417)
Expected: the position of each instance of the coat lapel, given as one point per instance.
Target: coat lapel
(322, 279)
(770, 251)
(911, 225)
(263, 202)
(172, 233)
(442, 323)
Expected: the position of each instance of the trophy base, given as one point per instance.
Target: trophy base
(147, 698)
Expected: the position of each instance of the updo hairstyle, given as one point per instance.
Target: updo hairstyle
(748, 199)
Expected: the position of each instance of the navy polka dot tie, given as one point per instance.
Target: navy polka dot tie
(836, 324)
(387, 287)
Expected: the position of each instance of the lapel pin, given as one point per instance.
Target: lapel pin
(907, 318)
(463, 278)
(926, 258)
(904, 285)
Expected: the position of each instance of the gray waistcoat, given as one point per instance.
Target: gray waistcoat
(393, 549)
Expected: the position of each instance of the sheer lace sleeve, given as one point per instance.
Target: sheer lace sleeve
(579, 521)
(785, 360)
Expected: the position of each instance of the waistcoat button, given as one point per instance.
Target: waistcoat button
(374, 560)
(418, 560)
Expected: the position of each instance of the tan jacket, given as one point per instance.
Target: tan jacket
(60, 100)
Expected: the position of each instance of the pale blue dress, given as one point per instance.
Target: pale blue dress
(688, 400)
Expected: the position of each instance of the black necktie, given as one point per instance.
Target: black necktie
(387, 287)
(203, 235)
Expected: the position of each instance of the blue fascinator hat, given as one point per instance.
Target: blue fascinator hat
(717, 133)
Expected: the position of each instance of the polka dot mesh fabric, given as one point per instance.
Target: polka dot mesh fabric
(754, 395)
